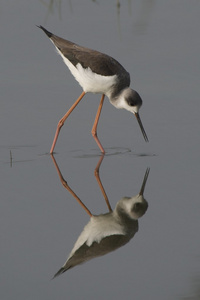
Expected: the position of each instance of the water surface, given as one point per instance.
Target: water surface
(158, 43)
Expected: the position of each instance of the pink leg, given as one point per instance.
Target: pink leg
(94, 128)
(96, 174)
(65, 184)
(62, 121)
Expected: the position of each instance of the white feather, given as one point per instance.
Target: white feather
(89, 81)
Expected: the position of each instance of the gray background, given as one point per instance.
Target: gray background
(158, 43)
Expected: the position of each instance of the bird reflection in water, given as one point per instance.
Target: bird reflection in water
(105, 233)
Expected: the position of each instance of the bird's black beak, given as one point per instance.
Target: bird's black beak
(141, 126)
(144, 182)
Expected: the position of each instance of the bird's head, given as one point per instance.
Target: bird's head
(134, 207)
(131, 101)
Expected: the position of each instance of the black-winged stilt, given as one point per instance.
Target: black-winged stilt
(97, 73)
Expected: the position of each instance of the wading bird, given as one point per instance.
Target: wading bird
(97, 73)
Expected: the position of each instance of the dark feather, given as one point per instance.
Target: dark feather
(98, 62)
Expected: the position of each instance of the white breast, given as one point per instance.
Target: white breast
(97, 228)
(89, 81)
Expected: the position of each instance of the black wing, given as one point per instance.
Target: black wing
(98, 62)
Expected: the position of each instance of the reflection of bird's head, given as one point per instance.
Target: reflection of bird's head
(132, 208)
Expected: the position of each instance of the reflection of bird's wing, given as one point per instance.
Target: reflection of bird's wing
(99, 240)
(97, 228)
(85, 253)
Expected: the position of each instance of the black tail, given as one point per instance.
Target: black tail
(49, 34)
(61, 271)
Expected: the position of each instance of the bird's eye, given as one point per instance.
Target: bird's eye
(131, 102)
(136, 206)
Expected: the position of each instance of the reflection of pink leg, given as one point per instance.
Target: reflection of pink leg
(62, 121)
(96, 173)
(64, 183)
(94, 128)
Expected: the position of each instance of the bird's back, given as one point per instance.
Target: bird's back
(91, 68)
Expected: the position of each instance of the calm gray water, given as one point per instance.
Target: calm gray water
(158, 43)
